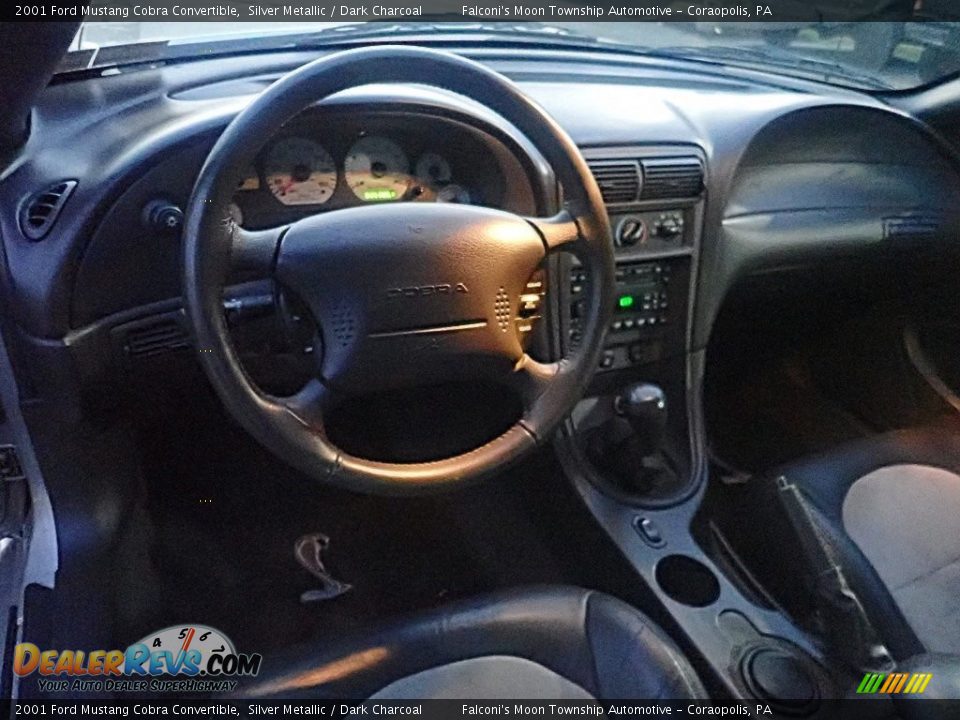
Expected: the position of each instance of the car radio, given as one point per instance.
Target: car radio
(649, 308)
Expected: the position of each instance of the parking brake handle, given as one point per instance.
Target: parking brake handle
(842, 612)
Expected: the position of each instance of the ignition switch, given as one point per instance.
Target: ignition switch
(162, 216)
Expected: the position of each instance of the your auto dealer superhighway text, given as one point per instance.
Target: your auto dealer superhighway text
(215, 709)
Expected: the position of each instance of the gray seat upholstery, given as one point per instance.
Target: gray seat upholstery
(892, 505)
(493, 677)
(906, 520)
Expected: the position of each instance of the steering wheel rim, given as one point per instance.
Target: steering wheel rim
(214, 246)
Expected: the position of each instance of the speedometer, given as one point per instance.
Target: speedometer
(300, 172)
(377, 169)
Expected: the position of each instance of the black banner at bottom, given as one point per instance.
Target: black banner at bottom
(475, 709)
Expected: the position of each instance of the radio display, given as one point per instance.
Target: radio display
(631, 295)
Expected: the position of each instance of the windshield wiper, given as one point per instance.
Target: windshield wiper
(765, 58)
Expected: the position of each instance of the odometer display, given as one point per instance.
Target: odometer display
(379, 194)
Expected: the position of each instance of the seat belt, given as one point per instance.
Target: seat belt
(856, 639)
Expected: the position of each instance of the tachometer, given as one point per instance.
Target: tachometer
(300, 172)
(377, 169)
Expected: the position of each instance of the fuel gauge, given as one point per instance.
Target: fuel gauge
(456, 194)
(433, 169)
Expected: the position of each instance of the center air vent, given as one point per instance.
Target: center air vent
(40, 211)
(674, 178)
(619, 180)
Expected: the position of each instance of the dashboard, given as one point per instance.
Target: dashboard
(787, 175)
(323, 160)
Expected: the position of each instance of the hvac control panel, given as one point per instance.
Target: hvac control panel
(651, 230)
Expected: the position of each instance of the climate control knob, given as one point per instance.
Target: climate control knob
(631, 231)
(669, 226)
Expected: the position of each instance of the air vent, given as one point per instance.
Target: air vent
(619, 180)
(156, 337)
(676, 177)
(40, 212)
(912, 227)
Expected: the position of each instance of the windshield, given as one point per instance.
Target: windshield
(868, 55)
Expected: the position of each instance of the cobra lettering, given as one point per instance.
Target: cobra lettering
(413, 291)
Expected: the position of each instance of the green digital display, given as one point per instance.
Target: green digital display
(380, 194)
(625, 301)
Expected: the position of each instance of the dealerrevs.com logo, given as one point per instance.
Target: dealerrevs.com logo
(181, 658)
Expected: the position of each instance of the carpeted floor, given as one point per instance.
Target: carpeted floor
(225, 515)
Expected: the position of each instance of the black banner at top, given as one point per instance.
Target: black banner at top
(460, 10)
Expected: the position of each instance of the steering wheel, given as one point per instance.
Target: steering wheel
(405, 294)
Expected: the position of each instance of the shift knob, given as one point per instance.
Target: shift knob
(645, 407)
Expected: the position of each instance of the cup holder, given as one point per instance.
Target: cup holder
(687, 581)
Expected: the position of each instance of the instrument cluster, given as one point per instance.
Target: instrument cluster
(314, 167)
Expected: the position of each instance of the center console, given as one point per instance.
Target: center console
(635, 447)
(654, 198)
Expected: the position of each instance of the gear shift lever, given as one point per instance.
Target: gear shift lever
(629, 447)
(644, 406)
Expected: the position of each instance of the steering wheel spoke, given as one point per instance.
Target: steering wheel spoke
(558, 232)
(531, 378)
(310, 403)
(254, 252)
